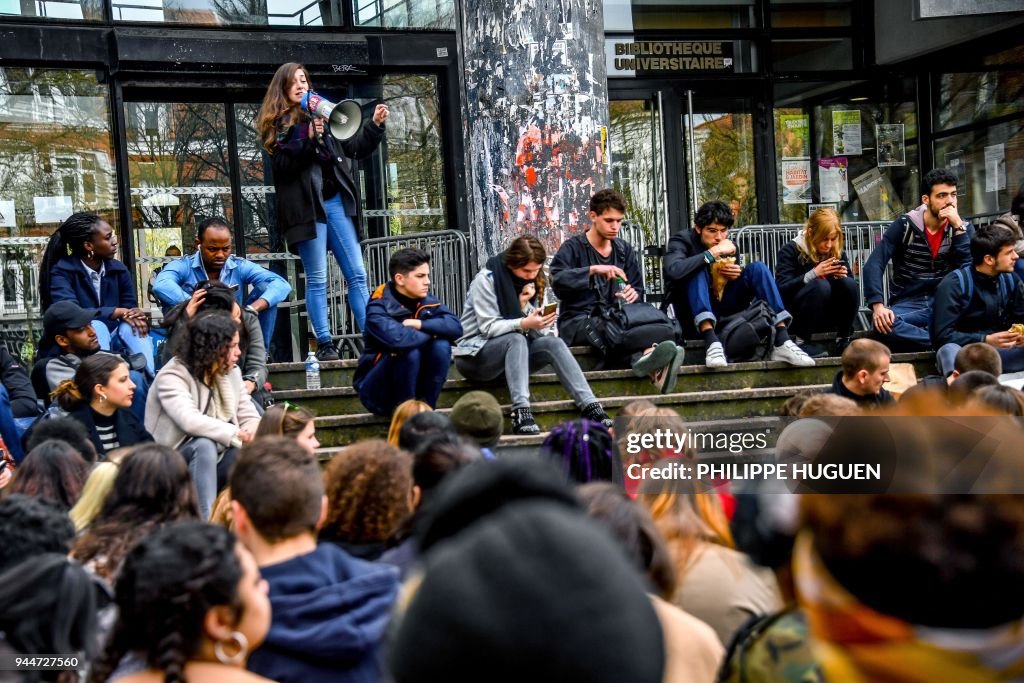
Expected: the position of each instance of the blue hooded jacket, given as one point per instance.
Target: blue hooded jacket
(330, 612)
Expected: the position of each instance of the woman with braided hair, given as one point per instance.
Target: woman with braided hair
(79, 265)
(192, 606)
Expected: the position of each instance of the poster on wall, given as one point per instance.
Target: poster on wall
(877, 196)
(846, 137)
(795, 138)
(995, 168)
(7, 219)
(52, 209)
(892, 149)
(834, 179)
(796, 181)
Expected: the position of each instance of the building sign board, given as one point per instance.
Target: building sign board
(668, 57)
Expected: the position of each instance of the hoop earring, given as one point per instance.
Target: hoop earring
(240, 641)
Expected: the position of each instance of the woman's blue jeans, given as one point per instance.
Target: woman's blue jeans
(340, 236)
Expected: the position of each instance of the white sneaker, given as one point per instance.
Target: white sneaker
(714, 356)
(792, 354)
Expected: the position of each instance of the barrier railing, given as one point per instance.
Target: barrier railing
(763, 242)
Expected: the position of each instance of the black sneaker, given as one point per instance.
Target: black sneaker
(595, 412)
(523, 422)
(327, 351)
(813, 350)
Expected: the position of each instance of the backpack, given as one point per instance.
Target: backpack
(966, 278)
(749, 334)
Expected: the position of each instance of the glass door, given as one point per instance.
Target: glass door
(637, 170)
(179, 172)
(718, 146)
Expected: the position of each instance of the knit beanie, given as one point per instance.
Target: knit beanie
(517, 584)
(478, 416)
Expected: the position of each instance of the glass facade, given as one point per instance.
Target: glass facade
(432, 14)
(623, 15)
(979, 134)
(54, 10)
(722, 163)
(831, 147)
(56, 158)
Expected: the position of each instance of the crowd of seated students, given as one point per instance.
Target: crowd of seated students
(295, 573)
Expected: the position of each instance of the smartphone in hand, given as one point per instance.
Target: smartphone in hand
(550, 308)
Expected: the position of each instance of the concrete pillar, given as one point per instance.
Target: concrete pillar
(536, 110)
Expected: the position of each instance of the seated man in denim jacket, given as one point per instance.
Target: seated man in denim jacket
(213, 261)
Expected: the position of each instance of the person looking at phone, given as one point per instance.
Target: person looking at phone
(598, 271)
(924, 245)
(506, 332)
(813, 276)
(700, 255)
(408, 338)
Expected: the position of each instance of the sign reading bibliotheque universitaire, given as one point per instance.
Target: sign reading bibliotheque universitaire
(650, 57)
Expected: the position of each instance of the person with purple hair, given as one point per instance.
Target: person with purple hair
(584, 449)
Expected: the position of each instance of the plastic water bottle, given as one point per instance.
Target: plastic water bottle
(620, 288)
(312, 371)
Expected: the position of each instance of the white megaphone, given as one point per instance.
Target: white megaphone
(344, 118)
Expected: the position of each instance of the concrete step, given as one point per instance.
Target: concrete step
(546, 387)
(339, 373)
(523, 445)
(338, 430)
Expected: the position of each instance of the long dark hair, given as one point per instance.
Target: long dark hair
(71, 394)
(68, 240)
(169, 581)
(277, 112)
(220, 298)
(48, 604)
(52, 470)
(202, 348)
(524, 250)
(152, 488)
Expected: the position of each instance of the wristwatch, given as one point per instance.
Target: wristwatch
(251, 309)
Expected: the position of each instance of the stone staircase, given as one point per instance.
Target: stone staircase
(736, 394)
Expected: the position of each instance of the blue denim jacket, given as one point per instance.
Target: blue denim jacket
(178, 279)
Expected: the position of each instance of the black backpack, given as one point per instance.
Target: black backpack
(749, 334)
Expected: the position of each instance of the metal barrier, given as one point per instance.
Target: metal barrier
(763, 242)
(984, 218)
(451, 274)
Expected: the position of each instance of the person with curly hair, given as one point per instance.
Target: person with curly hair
(369, 494)
(152, 489)
(79, 265)
(100, 397)
(198, 406)
(213, 295)
(317, 193)
(191, 607)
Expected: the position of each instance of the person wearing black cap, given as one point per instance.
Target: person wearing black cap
(517, 584)
(68, 328)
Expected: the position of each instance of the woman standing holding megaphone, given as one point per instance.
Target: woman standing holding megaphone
(317, 196)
